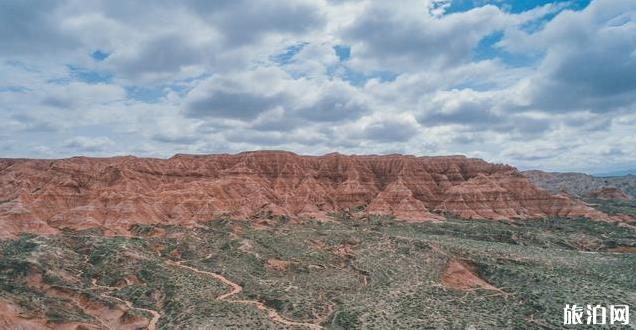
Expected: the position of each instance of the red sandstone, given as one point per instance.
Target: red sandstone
(44, 196)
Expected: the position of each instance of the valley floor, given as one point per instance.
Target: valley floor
(373, 273)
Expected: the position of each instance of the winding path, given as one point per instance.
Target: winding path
(235, 289)
(152, 325)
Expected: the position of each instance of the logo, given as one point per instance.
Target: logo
(596, 315)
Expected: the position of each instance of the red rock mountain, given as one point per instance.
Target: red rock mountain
(44, 196)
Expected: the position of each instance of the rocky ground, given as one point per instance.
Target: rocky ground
(348, 273)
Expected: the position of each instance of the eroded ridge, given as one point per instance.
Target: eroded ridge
(44, 196)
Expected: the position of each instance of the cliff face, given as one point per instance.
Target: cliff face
(44, 196)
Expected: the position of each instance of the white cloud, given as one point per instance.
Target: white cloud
(589, 62)
(224, 76)
(249, 95)
(89, 144)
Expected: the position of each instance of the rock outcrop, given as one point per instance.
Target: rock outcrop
(580, 184)
(609, 194)
(44, 196)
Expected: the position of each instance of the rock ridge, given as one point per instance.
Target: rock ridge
(45, 196)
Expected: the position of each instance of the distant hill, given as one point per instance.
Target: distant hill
(581, 184)
(631, 172)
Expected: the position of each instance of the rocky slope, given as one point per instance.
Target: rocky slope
(609, 194)
(44, 196)
(580, 184)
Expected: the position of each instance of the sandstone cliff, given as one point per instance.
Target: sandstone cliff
(44, 196)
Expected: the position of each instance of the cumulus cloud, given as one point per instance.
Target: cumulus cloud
(463, 107)
(247, 95)
(589, 63)
(407, 36)
(315, 76)
(390, 131)
(334, 101)
(244, 22)
(241, 95)
(163, 54)
(417, 34)
(89, 144)
(31, 27)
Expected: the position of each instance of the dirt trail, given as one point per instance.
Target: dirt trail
(235, 289)
(152, 325)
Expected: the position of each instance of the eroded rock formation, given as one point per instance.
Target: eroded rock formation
(609, 194)
(44, 196)
(580, 184)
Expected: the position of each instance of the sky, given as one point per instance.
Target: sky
(533, 83)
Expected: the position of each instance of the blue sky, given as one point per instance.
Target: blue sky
(517, 6)
(537, 84)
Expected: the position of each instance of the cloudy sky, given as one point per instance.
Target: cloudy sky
(534, 83)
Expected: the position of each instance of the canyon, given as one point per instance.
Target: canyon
(47, 196)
